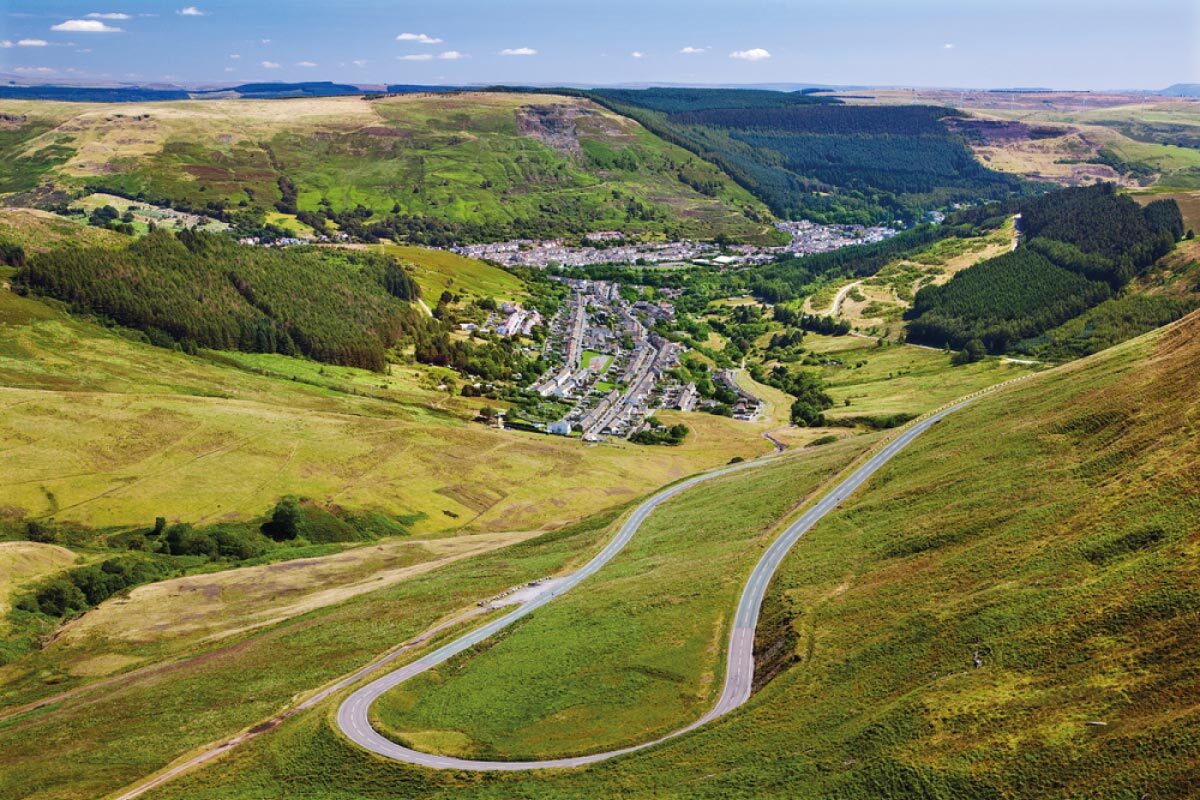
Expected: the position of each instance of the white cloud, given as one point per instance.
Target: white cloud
(265, 41)
(229, 69)
(34, 70)
(190, 11)
(636, 54)
(416, 57)
(269, 64)
(85, 26)
(359, 62)
(306, 64)
(948, 46)
(692, 51)
(107, 15)
(235, 56)
(452, 55)
(421, 38)
(753, 54)
(32, 43)
(84, 50)
(518, 51)
(4, 45)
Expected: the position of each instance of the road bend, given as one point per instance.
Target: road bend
(353, 715)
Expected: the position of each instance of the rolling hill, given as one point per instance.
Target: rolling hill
(813, 157)
(419, 166)
(1081, 246)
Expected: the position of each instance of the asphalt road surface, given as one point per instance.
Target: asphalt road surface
(352, 716)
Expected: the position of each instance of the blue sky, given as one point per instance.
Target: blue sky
(969, 43)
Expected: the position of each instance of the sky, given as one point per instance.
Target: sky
(1070, 44)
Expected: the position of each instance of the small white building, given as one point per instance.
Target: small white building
(559, 428)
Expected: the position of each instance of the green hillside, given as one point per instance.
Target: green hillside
(204, 290)
(426, 168)
(1082, 246)
(1006, 610)
(814, 157)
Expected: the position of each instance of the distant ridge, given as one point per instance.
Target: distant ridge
(87, 94)
(413, 88)
(253, 91)
(141, 94)
(306, 89)
(17, 88)
(1182, 90)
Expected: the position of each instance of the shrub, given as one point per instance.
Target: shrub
(294, 518)
(80, 588)
(12, 254)
(40, 532)
(59, 598)
(183, 540)
(239, 544)
(972, 351)
(285, 520)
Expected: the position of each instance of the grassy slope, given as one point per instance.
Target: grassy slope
(102, 430)
(1178, 167)
(115, 732)
(171, 617)
(437, 271)
(635, 652)
(235, 671)
(878, 304)
(898, 378)
(1050, 528)
(22, 562)
(454, 157)
(39, 231)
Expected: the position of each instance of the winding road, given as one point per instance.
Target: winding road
(352, 715)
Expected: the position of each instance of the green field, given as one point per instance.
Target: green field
(590, 356)
(1047, 530)
(897, 378)
(290, 224)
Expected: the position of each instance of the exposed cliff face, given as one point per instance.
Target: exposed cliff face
(553, 125)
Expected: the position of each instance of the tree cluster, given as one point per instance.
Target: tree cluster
(809, 391)
(657, 433)
(83, 587)
(204, 290)
(815, 158)
(1082, 246)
